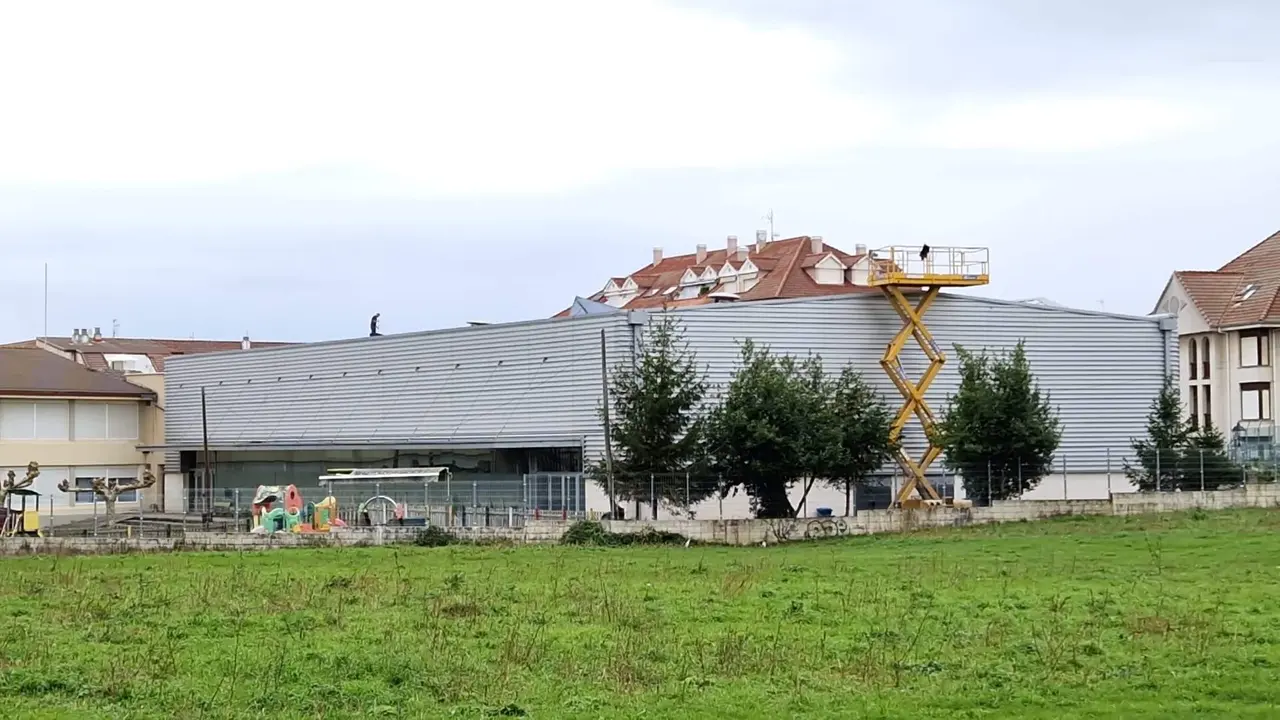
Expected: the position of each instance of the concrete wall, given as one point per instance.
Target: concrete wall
(869, 522)
(721, 532)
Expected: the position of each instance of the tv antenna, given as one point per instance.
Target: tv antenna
(769, 219)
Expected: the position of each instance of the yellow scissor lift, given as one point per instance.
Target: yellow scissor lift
(897, 271)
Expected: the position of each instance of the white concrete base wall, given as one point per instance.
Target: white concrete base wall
(1069, 487)
(738, 506)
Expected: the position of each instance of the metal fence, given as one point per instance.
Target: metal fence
(467, 500)
(494, 500)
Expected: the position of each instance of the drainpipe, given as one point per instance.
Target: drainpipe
(1168, 326)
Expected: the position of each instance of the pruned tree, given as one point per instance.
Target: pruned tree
(110, 490)
(656, 429)
(820, 451)
(772, 428)
(1159, 455)
(862, 419)
(12, 482)
(999, 431)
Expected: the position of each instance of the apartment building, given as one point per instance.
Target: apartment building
(139, 364)
(1227, 320)
(78, 424)
(764, 270)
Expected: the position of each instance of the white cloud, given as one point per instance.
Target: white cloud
(474, 96)
(1062, 123)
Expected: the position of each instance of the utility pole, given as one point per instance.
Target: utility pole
(608, 432)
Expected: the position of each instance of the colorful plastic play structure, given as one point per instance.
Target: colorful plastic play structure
(291, 514)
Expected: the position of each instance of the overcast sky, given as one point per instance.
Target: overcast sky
(287, 169)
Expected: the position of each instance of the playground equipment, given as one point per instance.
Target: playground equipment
(922, 271)
(292, 515)
(378, 508)
(22, 520)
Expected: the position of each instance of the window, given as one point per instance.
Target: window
(1193, 361)
(1207, 406)
(1204, 360)
(40, 420)
(85, 476)
(1192, 405)
(1255, 401)
(1255, 348)
(106, 421)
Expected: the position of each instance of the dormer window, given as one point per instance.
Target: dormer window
(1245, 293)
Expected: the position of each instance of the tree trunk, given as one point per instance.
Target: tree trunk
(848, 497)
(804, 496)
(109, 506)
(772, 501)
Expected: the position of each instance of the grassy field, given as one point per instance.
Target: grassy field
(1152, 617)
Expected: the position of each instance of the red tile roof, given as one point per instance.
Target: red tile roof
(93, 353)
(782, 264)
(1245, 291)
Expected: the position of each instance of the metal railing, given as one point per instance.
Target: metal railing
(901, 263)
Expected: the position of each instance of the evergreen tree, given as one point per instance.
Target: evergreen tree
(656, 431)
(863, 419)
(1208, 465)
(999, 431)
(1159, 455)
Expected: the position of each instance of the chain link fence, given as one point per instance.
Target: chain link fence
(496, 500)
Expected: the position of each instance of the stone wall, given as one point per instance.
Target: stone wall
(722, 532)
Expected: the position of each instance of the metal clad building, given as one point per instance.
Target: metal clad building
(538, 384)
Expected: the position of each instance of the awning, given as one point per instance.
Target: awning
(502, 443)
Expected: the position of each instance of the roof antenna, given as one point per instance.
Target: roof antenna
(373, 325)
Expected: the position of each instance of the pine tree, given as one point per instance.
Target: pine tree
(656, 430)
(1209, 466)
(1160, 455)
(999, 431)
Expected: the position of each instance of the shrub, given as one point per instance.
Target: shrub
(585, 532)
(434, 536)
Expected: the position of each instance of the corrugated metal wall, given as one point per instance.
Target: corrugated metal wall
(469, 387)
(1101, 371)
(512, 384)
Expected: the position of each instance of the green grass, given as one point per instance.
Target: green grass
(1150, 617)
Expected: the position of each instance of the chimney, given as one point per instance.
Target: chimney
(732, 246)
(97, 334)
(742, 254)
(244, 343)
(859, 249)
(702, 254)
(762, 239)
(657, 255)
(815, 244)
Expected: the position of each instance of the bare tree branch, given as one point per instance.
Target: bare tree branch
(109, 490)
(11, 483)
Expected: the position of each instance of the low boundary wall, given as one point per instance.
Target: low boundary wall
(720, 532)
